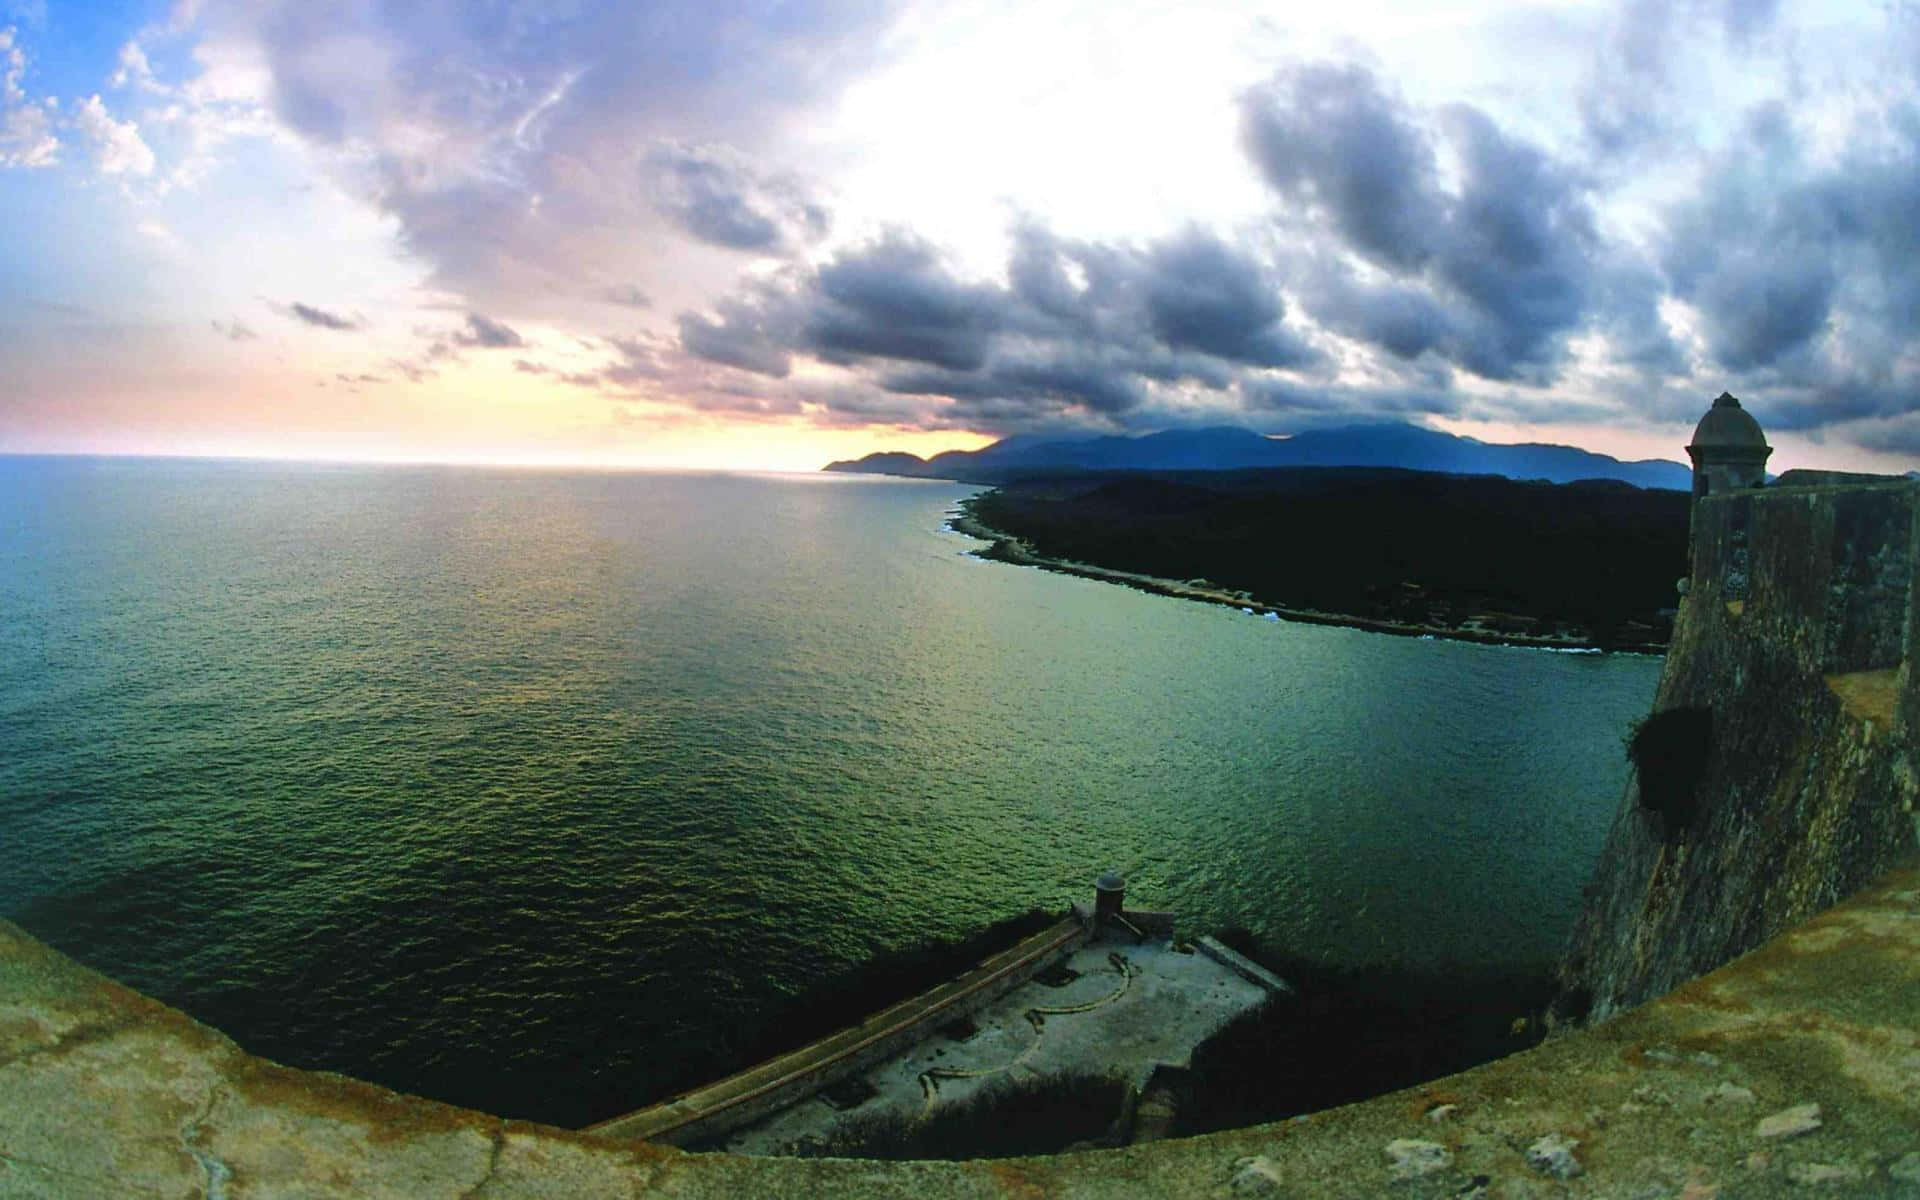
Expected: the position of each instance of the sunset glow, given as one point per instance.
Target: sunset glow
(672, 235)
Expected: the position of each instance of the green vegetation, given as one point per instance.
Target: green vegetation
(1001, 1120)
(1594, 561)
(1669, 751)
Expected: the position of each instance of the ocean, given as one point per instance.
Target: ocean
(538, 790)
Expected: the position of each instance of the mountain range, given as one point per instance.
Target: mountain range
(1408, 447)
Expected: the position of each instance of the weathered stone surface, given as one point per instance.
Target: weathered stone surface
(1789, 1122)
(1816, 1174)
(1256, 1176)
(1807, 794)
(1729, 1093)
(1410, 1158)
(103, 1093)
(1906, 1168)
(1553, 1155)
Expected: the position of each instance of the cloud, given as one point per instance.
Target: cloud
(1339, 404)
(118, 148)
(235, 330)
(26, 128)
(1203, 295)
(486, 334)
(640, 360)
(741, 334)
(134, 70)
(1082, 331)
(713, 194)
(505, 147)
(1799, 267)
(1329, 139)
(1569, 242)
(1746, 19)
(320, 317)
(895, 299)
(1491, 268)
(624, 294)
(413, 371)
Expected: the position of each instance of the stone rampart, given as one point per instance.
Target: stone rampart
(1782, 774)
(1795, 1067)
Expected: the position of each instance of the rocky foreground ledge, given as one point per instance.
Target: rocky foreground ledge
(1793, 1071)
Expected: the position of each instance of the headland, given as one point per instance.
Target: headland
(1475, 559)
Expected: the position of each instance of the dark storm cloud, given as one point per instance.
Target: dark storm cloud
(1492, 273)
(1310, 405)
(1517, 245)
(895, 299)
(751, 333)
(1801, 270)
(487, 334)
(1629, 314)
(1030, 387)
(1901, 435)
(1761, 303)
(1202, 295)
(1405, 320)
(1328, 138)
(716, 197)
(1080, 328)
(320, 317)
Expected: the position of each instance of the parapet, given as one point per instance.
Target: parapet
(1797, 1065)
(1826, 570)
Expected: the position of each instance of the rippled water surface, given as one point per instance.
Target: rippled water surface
(530, 789)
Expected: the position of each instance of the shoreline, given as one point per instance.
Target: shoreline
(1004, 547)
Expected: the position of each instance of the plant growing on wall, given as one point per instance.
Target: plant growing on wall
(1669, 752)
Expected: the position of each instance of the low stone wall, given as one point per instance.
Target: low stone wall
(1794, 1068)
(1241, 965)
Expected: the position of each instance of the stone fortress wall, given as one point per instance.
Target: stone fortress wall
(1796, 709)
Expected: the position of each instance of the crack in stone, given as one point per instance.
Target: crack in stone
(72, 1039)
(493, 1162)
(218, 1173)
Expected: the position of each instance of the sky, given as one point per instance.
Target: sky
(765, 235)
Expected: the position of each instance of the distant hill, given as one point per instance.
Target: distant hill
(1221, 449)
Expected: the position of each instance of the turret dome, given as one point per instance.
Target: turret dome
(1727, 424)
(1728, 450)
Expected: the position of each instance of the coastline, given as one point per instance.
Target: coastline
(1004, 547)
